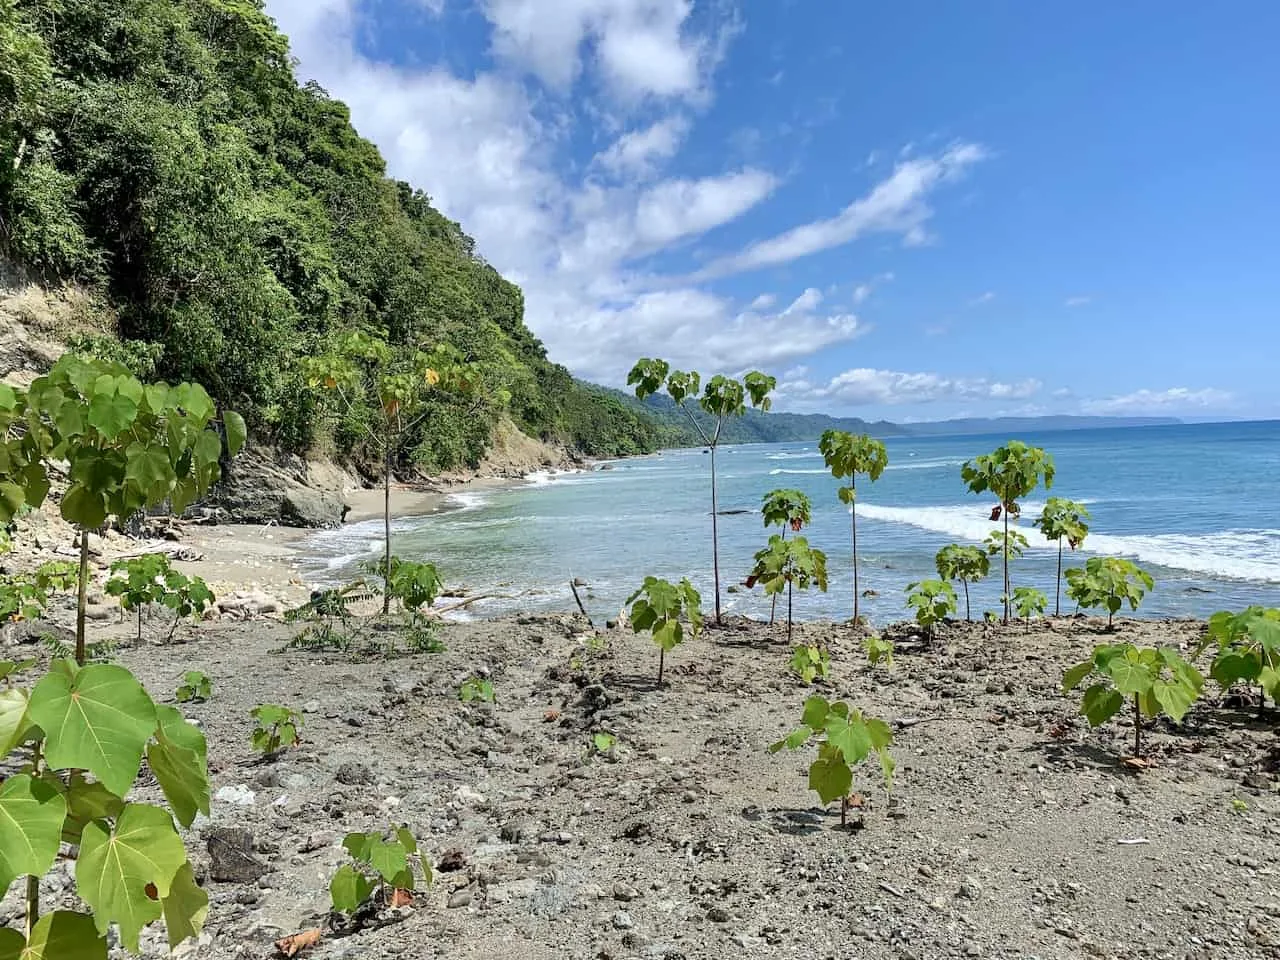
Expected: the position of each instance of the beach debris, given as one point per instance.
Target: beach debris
(244, 605)
(1132, 842)
(295, 943)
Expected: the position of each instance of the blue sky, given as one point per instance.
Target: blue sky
(907, 210)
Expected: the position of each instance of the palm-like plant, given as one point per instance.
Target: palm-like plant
(1067, 520)
(847, 456)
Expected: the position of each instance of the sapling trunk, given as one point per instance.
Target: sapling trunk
(139, 623)
(82, 594)
(844, 809)
(967, 617)
(1057, 584)
(662, 657)
(853, 527)
(1137, 727)
(715, 542)
(33, 882)
(386, 531)
(1008, 599)
(788, 611)
(773, 607)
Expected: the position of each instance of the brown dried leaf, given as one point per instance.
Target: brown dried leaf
(1138, 763)
(551, 716)
(294, 944)
(401, 898)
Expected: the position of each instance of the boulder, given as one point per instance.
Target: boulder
(305, 507)
(262, 486)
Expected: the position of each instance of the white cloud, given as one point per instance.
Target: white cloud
(865, 386)
(1078, 301)
(489, 149)
(804, 303)
(639, 47)
(1173, 400)
(982, 298)
(895, 205)
(640, 152)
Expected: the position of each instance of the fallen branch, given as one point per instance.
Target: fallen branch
(574, 587)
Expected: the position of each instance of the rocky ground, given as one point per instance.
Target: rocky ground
(1013, 830)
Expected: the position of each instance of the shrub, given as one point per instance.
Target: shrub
(1247, 649)
(810, 662)
(1062, 520)
(968, 564)
(1029, 602)
(879, 649)
(196, 687)
(148, 579)
(658, 607)
(276, 729)
(933, 600)
(1010, 473)
(1108, 583)
(788, 564)
(380, 864)
(845, 739)
(1155, 680)
(846, 456)
(476, 688)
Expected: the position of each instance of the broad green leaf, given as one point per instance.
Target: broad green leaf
(87, 801)
(31, 815)
(13, 718)
(1269, 680)
(851, 738)
(795, 739)
(815, 713)
(115, 869)
(112, 413)
(1075, 675)
(177, 758)
(349, 888)
(237, 432)
(880, 732)
(1232, 667)
(830, 777)
(149, 467)
(61, 935)
(185, 908)
(1130, 677)
(1100, 703)
(83, 507)
(97, 720)
(12, 498)
(1175, 698)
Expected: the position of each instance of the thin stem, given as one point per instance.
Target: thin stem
(853, 526)
(1057, 584)
(967, 617)
(33, 882)
(662, 658)
(1006, 565)
(82, 595)
(386, 531)
(789, 585)
(715, 534)
(1137, 728)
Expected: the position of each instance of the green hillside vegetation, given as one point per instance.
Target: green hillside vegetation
(162, 153)
(674, 430)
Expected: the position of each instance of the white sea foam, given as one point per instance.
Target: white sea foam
(468, 500)
(926, 464)
(794, 456)
(1230, 554)
(775, 472)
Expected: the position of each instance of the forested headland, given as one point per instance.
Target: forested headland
(228, 221)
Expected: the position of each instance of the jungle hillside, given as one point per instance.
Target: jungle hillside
(227, 222)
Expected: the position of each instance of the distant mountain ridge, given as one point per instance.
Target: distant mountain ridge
(674, 430)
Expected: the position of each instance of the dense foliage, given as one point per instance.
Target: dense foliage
(163, 153)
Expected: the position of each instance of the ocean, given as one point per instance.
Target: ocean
(1197, 506)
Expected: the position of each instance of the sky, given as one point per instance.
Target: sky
(909, 210)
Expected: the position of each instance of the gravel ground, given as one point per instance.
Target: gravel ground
(1008, 833)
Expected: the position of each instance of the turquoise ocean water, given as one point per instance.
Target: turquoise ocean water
(1198, 506)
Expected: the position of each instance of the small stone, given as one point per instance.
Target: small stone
(625, 892)
(468, 796)
(237, 794)
(970, 889)
(461, 898)
(622, 920)
(718, 914)
(231, 858)
(353, 774)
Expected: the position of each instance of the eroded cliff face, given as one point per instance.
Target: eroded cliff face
(263, 485)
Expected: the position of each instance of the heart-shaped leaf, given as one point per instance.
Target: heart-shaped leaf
(116, 868)
(349, 888)
(177, 758)
(13, 718)
(97, 719)
(31, 815)
(56, 936)
(185, 908)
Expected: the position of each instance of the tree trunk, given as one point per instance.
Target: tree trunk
(139, 623)
(773, 607)
(1057, 584)
(81, 595)
(789, 611)
(386, 532)
(853, 528)
(715, 542)
(1137, 727)
(662, 659)
(1007, 598)
(967, 617)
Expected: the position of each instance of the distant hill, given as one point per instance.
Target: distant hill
(674, 430)
(968, 425)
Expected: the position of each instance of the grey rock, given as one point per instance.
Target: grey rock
(231, 858)
(622, 920)
(353, 774)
